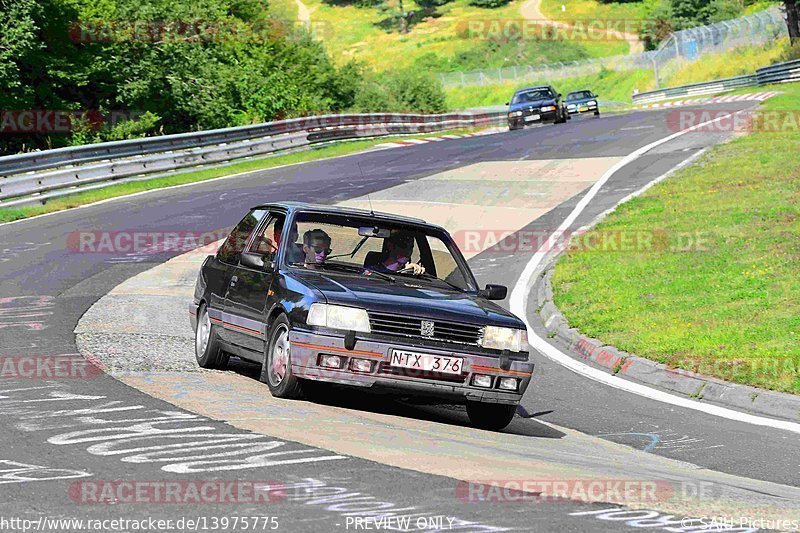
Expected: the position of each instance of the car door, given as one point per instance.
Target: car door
(248, 290)
(224, 265)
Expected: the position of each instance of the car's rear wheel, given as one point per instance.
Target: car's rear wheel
(490, 416)
(207, 349)
(276, 370)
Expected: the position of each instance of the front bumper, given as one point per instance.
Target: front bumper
(583, 108)
(544, 118)
(307, 347)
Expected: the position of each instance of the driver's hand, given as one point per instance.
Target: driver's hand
(413, 268)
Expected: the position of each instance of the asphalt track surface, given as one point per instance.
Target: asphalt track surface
(45, 288)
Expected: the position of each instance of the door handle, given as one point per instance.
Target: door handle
(234, 279)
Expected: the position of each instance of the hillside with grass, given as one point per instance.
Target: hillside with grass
(620, 86)
(456, 36)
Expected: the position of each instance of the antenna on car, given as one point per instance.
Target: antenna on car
(371, 212)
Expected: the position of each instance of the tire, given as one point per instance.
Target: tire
(276, 369)
(514, 128)
(561, 119)
(207, 349)
(490, 416)
(597, 113)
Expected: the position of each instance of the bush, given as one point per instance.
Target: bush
(489, 4)
(408, 90)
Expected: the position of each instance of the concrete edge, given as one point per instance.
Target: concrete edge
(617, 362)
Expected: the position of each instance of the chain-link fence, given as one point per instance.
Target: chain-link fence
(680, 47)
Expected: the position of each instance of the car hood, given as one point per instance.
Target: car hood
(407, 297)
(535, 103)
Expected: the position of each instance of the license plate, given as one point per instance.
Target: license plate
(427, 362)
(582, 109)
(531, 118)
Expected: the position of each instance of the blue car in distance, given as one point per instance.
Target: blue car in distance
(579, 102)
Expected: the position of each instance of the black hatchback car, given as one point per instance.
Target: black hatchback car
(534, 105)
(362, 299)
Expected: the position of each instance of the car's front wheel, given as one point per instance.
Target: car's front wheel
(490, 416)
(276, 370)
(207, 350)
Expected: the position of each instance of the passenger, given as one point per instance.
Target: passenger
(399, 248)
(316, 246)
(294, 250)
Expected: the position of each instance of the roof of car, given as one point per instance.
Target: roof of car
(316, 208)
(580, 91)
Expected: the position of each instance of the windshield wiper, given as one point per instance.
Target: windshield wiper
(359, 270)
(432, 277)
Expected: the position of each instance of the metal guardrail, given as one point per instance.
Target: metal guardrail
(779, 73)
(39, 176)
(694, 89)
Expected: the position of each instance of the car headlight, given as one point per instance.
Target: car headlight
(509, 339)
(593, 102)
(549, 108)
(515, 114)
(338, 317)
(572, 106)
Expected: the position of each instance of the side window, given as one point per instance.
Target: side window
(445, 264)
(234, 245)
(267, 241)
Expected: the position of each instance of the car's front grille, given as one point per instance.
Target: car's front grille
(420, 328)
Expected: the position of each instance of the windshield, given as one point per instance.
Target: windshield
(383, 250)
(532, 95)
(580, 95)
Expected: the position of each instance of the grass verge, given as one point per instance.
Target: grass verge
(609, 85)
(122, 189)
(715, 290)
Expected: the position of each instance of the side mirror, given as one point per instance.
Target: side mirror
(559, 95)
(494, 292)
(256, 262)
(508, 103)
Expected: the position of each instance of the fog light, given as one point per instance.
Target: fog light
(360, 365)
(508, 383)
(330, 361)
(480, 380)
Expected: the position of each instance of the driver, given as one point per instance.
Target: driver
(316, 246)
(399, 248)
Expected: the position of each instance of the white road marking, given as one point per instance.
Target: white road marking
(521, 292)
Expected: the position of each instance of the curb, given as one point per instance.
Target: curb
(622, 364)
(750, 97)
